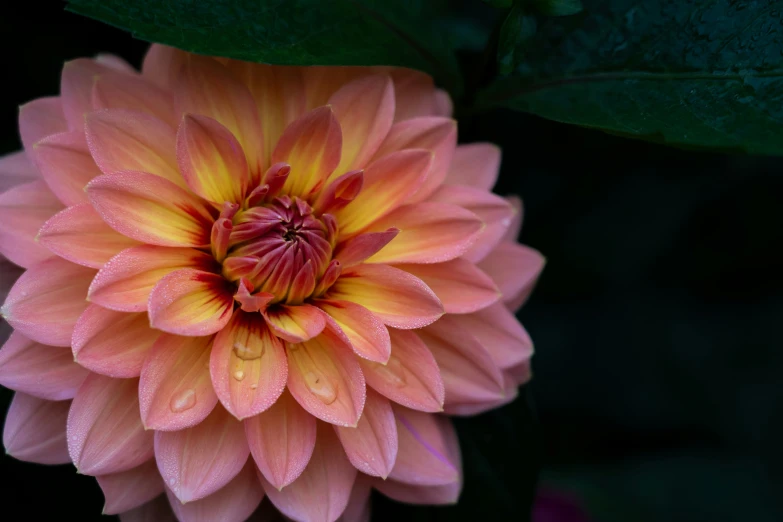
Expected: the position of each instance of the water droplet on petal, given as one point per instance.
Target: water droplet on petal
(172, 481)
(248, 353)
(320, 386)
(253, 386)
(183, 400)
(239, 375)
(393, 372)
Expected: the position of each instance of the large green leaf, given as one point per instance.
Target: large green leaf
(691, 72)
(293, 32)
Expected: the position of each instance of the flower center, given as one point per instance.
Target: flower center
(281, 248)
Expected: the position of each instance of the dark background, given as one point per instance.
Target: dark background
(657, 394)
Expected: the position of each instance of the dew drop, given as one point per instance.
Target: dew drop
(393, 372)
(172, 481)
(183, 400)
(248, 353)
(321, 387)
(239, 375)
(253, 386)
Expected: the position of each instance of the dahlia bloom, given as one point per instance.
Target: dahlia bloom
(246, 281)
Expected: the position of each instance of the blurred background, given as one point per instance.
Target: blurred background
(658, 376)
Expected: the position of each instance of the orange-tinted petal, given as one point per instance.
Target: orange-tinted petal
(435, 134)
(459, 284)
(79, 234)
(175, 390)
(112, 343)
(358, 248)
(363, 330)
(114, 90)
(410, 377)
(198, 461)
(423, 457)
(398, 298)
(151, 209)
(281, 440)
(45, 303)
(388, 182)
(248, 365)
(65, 163)
(295, 323)
(191, 302)
(372, 445)
(475, 165)
(501, 334)
(325, 378)
(514, 268)
(125, 281)
(129, 489)
(78, 77)
(429, 233)
(311, 145)
(206, 87)
(122, 140)
(211, 160)
(365, 110)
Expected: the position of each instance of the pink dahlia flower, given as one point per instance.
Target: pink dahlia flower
(246, 280)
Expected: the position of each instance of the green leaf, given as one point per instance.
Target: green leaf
(517, 31)
(705, 73)
(292, 32)
(558, 7)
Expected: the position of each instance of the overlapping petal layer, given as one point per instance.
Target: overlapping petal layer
(246, 280)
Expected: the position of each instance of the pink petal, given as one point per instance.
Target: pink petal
(365, 110)
(295, 323)
(514, 268)
(248, 366)
(415, 93)
(468, 371)
(191, 302)
(388, 182)
(198, 461)
(9, 273)
(435, 134)
(475, 165)
(78, 234)
(423, 457)
(151, 209)
(34, 430)
(157, 510)
(324, 377)
(23, 209)
(206, 87)
(496, 213)
(162, 64)
(281, 440)
(115, 62)
(40, 118)
(121, 140)
(473, 408)
(105, 434)
(112, 343)
(372, 445)
(175, 391)
(363, 330)
(115, 90)
(358, 508)
(429, 233)
(443, 104)
(521, 373)
(398, 298)
(47, 300)
(512, 233)
(422, 495)
(460, 286)
(500, 332)
(130, 489)
(76, 84)
(126, 281)
(46, 372)
(321, 493)
(16, 169)
(65, 163)
(311, 145)
(358, 248)
(211, 160)
(410, 377)
(235, 502)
